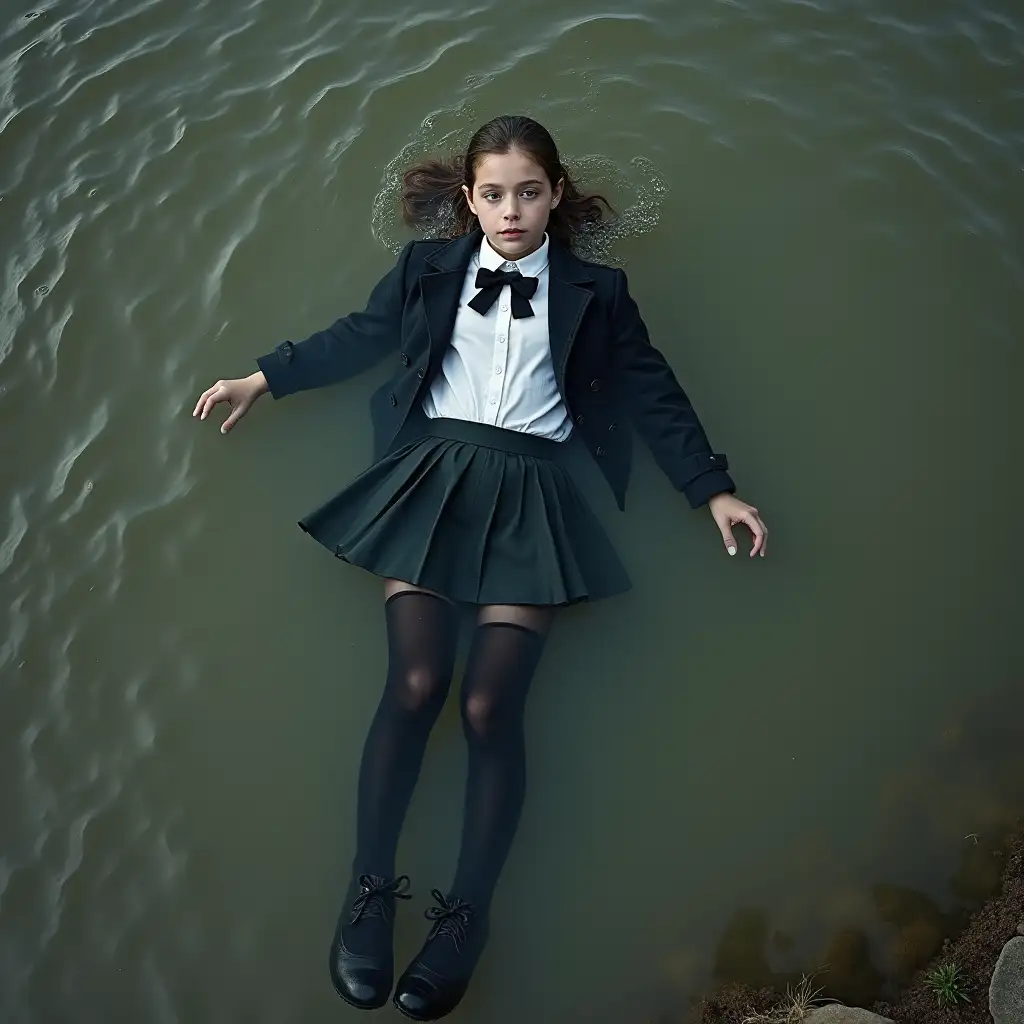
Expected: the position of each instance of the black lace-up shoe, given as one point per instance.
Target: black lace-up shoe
(362, 954)
(434, 983)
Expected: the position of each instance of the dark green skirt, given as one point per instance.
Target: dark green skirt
(480, 514)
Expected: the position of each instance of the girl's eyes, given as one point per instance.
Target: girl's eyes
(529, 193)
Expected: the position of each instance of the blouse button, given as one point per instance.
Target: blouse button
(394, 401)
(595, 385)
(405, 359)
(504, 307)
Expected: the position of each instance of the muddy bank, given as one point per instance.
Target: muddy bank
(975, 950)
(973, 940)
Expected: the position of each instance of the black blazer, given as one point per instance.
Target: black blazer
(606, 368)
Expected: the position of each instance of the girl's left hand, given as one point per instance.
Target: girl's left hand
(728, 510)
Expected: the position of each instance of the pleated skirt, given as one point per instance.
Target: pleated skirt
(478, 513)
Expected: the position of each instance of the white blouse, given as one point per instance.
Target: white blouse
(497, 369)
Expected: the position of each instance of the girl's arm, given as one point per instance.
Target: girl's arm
(668, 424)
(346, 348)
(660, 409)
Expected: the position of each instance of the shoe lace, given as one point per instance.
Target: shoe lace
(377, 895)
(451, 917)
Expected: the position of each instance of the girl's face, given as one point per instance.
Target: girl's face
(512, 198)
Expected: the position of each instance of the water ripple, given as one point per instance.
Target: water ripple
(181, 185)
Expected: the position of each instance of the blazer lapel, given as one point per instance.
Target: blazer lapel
(441, 291)
(567, 302)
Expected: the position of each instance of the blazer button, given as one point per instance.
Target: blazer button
(394, 401)
(599, 451)
(405, 359)
(421, 372)
(613, 426)
(595, 385)
(580, 419)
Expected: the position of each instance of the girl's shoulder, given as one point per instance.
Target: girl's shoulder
(420, 248)
(412, 259)
(604, 269)
(603, 275)
(431, 243)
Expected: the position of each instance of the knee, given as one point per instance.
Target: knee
(482, 715)
(421, 691)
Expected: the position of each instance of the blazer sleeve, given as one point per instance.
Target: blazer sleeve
(346, 348)
(660, 409)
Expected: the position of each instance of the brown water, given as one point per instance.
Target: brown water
(738, 769)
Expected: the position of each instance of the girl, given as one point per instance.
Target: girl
(504, 344)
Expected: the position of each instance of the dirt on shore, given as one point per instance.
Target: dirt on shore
(973, 942)
(975, 950)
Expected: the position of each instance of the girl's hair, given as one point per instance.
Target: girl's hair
(432, 195)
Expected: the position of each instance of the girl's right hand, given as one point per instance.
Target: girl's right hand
(239, 394)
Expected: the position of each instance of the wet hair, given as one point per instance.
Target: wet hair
(432, 195)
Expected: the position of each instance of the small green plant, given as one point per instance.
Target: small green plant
(949, 985)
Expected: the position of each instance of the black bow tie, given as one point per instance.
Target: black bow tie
(490, 283)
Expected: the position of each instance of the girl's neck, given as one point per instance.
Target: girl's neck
(515, 257)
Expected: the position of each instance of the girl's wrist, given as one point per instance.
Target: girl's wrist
(259, 382)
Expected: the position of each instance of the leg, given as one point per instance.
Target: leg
(506, 649)
(422, 630)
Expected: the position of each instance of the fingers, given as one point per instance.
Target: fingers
(202, 399)
(209, 398)
(236, 414)
(727, 537)
(759, 530)
(212, 397)
(727, 514)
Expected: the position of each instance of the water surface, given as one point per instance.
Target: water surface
(738, 770)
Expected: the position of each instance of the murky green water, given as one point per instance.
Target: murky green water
(737, 770)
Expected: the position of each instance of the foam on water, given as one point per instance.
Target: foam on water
(636, 193)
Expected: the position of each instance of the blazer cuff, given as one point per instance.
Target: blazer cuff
(703, 488)
(706, 476)
(274, 366)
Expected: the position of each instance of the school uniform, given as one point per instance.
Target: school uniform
(470, 493)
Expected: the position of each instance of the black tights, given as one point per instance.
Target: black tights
(422, 632)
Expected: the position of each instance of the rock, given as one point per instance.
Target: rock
(844, 1015)
(1006, 993)
(1020, 928)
